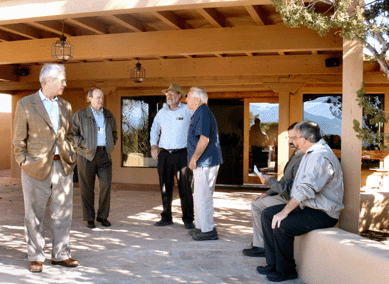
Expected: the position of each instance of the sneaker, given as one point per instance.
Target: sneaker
(194, 231)
(212, 235)
(254, 252)
(276, 276)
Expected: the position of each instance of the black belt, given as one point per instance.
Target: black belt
(100, 147)
(57, 157)
(173, 151)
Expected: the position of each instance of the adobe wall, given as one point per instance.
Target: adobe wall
(5, 141)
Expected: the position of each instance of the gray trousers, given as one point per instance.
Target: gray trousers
(101, 165)
(59, 188)
(257, 207)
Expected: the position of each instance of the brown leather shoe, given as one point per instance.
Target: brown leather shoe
(36, 266)
(70, 262)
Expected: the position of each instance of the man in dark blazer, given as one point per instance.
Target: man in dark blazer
(44, 149)
(95, 135)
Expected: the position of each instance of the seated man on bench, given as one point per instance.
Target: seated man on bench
(316, 202)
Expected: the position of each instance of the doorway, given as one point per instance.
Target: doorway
(229, 117)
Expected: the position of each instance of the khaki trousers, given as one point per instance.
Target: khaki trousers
(257, 207)
(59, 188)
(204, 180)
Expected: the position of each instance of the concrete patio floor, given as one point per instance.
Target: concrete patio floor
(133, 250)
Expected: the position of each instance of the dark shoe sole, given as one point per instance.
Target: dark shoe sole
(253, 252)
(163, 223)
(265, 270)
(279, 277)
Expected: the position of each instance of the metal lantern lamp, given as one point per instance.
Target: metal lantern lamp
(138, 73)
(62, 50)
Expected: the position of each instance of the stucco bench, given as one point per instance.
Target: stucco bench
(336, 256)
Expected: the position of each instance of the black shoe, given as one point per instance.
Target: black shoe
(266, 270)
(194, 231)
(91, 224)
(254, 252)
(276, 276)
(212, 235)
(163, 223)
(103, 222)
(189, 226)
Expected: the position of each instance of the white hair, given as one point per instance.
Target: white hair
(50, 70)
(200, 93)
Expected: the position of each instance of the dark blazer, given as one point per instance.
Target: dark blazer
(35, 140)
(85, 132)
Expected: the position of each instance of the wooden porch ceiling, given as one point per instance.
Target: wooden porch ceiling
(114, 34)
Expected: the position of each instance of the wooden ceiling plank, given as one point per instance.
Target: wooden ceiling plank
(256, 14)
(128, 22)
(213, 17)
(171, 19)
(52, 27)
(89, 24)
(22, 30)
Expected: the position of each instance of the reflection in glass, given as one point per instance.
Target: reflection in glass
(137, 116)
(263, 136)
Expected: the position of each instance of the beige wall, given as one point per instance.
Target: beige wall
(5, 141)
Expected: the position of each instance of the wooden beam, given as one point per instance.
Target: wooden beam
(53, 27)
(128, 22)
(256, 14)
(239, 67)
(171, 19)
(213, 17)
(22, 30)
(88, 24)
(181, 43)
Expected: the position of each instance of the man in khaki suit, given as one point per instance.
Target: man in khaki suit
(44, 149)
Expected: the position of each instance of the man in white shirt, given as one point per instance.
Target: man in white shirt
(168, 140)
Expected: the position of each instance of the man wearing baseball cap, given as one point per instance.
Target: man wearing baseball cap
(168, 140)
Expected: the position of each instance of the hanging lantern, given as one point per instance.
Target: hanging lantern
(138, 73)
(62, 50)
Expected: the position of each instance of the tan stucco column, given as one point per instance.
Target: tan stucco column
(284, 90)
(351, 146)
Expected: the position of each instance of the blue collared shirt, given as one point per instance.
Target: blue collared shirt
(52, 109)
(100, 123)
(171, 127)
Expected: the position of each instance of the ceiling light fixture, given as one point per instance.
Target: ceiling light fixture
(62, 50)
(138, 73)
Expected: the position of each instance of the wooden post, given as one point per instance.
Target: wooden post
(351, 146)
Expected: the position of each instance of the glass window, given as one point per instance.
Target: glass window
(263, 136)
(325, 110)
(137, 116)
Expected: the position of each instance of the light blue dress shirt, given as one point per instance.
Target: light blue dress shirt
(170, 127)
(52, 109)
(100, 123)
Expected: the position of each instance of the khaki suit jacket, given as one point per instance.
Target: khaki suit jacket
(35, 140)
(85, 132)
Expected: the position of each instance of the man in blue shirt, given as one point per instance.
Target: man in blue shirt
(168, 139)
(204, 158)
(95, 135)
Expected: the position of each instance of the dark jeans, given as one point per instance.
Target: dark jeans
(101, 166)
(170, 165)
(279, 241)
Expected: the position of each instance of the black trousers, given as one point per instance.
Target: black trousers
(101, 166)
(170, 165)
(279, 241)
